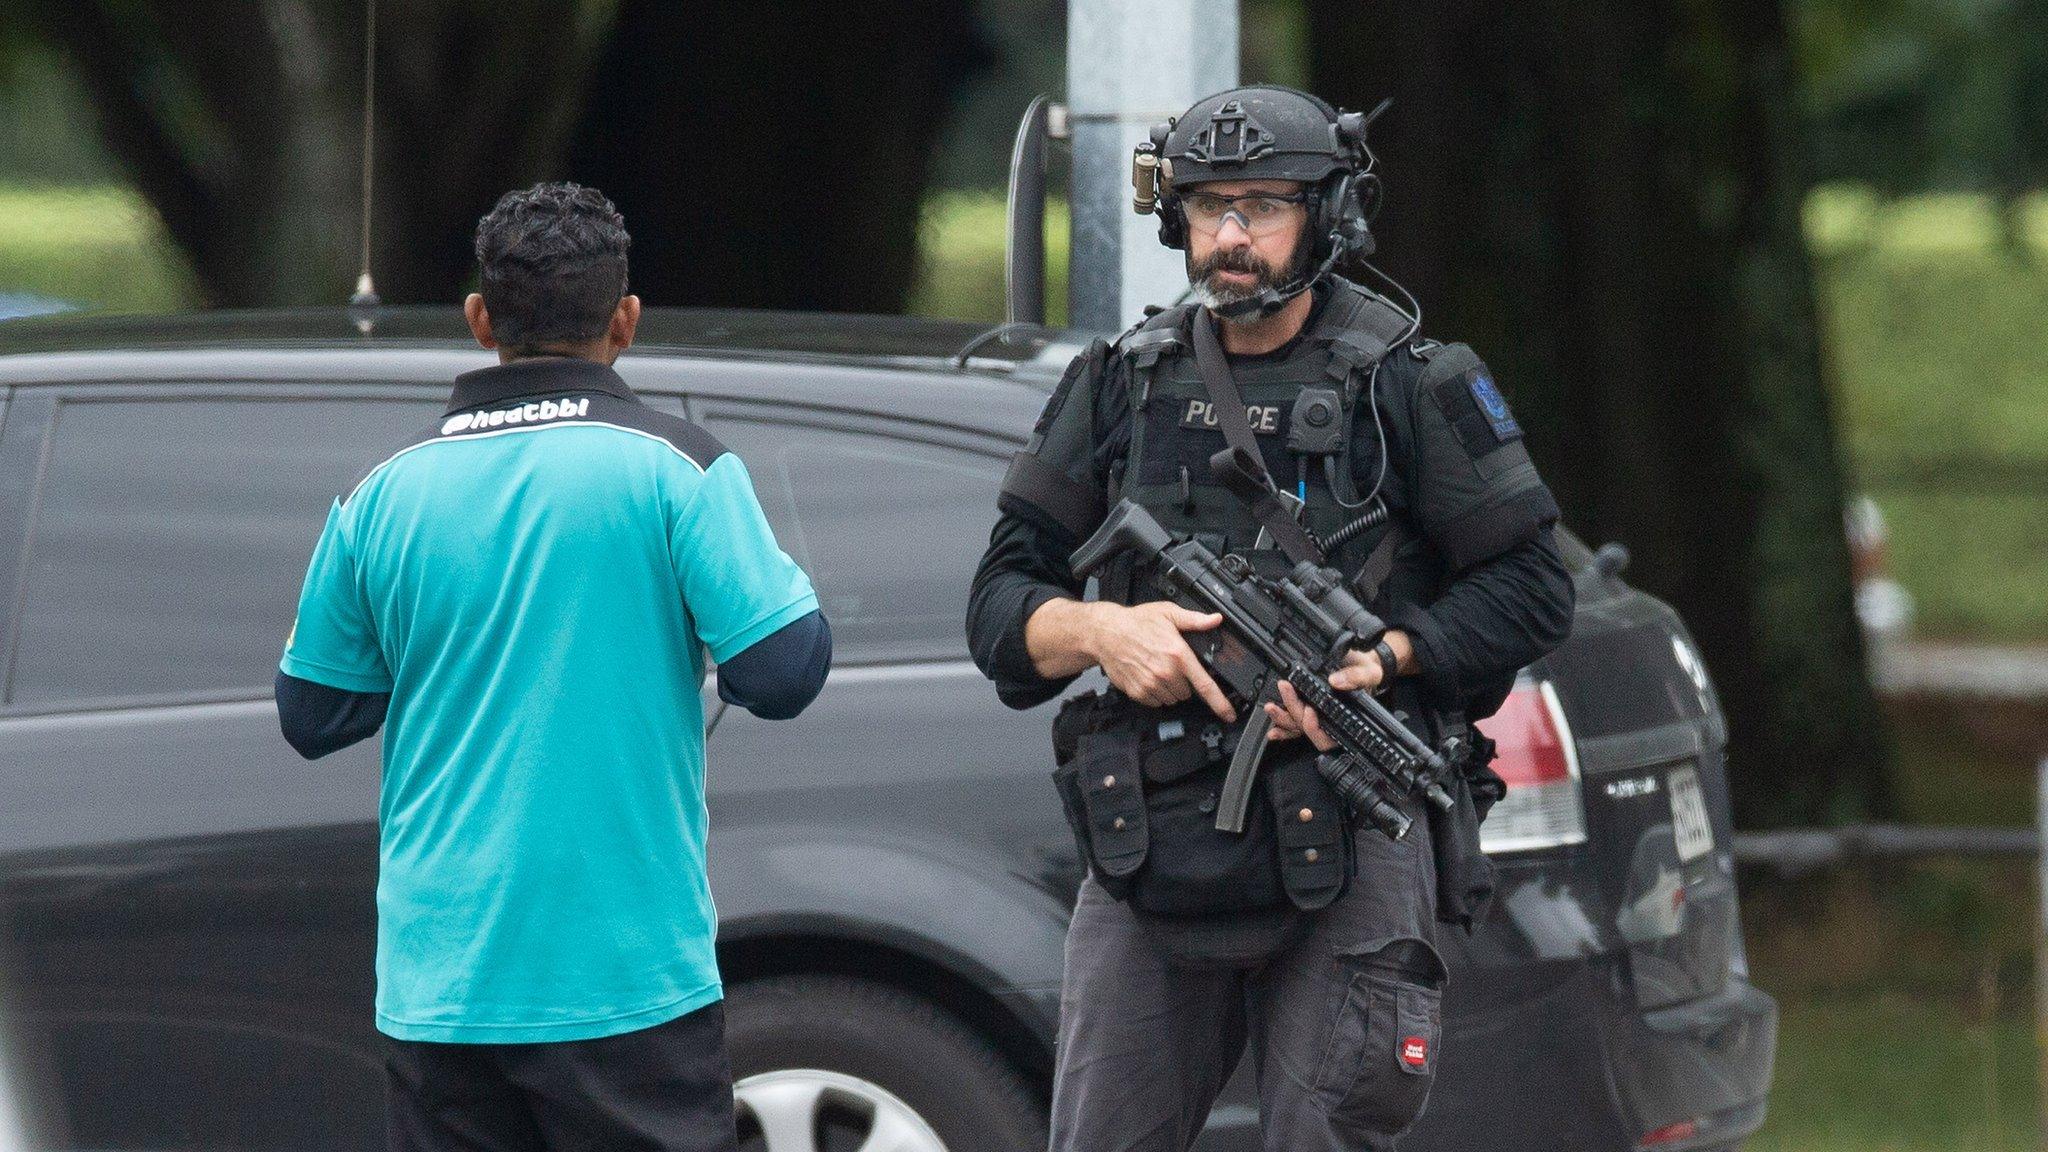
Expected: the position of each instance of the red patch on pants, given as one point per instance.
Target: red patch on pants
(1415, 1051)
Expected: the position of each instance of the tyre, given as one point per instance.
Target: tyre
(837, 1064)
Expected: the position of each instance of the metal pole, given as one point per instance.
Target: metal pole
(1131, 64)
(2041, 945)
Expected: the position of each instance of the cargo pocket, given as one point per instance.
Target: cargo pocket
(1381, 1056)
(1106, 807)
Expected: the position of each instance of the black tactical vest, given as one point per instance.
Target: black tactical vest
(1174, 430)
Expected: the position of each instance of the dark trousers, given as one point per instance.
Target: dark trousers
(663, 1088)
(1342, 1026)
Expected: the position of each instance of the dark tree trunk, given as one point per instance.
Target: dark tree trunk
(1603, 198)
(774, 154)
(240, 122)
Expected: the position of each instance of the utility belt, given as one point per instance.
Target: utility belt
(1140, 787)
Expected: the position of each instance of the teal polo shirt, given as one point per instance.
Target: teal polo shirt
(536, 581)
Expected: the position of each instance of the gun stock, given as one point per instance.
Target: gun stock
(1127, 526)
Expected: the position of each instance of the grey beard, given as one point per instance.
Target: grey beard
(1209, 296)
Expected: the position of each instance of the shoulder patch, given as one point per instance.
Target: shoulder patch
(1494, 407)
(1473, 406)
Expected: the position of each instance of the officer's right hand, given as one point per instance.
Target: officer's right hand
(1142, 652)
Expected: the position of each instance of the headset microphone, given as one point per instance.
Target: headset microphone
(1269, 300)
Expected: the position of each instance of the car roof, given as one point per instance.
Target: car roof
(1028, 351)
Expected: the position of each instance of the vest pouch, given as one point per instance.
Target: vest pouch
(1209, 899)
(1105, 805)
(1316, 859)
(1193, 868)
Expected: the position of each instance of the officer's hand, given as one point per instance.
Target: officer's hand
(1291, 718)
(1141, 651)
(1361, 671)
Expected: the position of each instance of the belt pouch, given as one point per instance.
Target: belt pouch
(1313, 837)
(1105, 806)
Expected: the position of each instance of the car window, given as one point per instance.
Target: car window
(169, 538)
(890, 529)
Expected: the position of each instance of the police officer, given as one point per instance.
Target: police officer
(1304, 935)
(527, 591)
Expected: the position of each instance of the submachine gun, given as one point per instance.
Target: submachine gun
(1298, 628)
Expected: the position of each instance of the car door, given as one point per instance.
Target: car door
(188, 905)
(906, 752)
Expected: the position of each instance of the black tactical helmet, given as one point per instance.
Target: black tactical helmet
(1267, 132)
(1255, 133)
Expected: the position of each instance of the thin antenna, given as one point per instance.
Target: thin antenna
(363, 305)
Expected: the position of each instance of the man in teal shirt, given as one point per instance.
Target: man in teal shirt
(524, 597)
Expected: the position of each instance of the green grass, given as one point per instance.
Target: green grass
(1936, 314)
(960, 273)
(1894, 1074)
(1976, 561)
(100, 247)
(1905, 1007)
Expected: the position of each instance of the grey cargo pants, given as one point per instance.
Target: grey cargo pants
(1343, 1025)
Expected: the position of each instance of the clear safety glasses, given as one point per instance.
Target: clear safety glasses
(1261, 213)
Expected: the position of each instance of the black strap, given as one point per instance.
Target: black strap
(1242, 468)
(1221, 386)
(1379, 563)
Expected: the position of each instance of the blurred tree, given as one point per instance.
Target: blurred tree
(1604, 198)
(1911, 95)
(775, 154)
(772, 154)
(46, 133)
(240, 121)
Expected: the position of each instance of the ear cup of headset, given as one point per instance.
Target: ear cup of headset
(1173, 225)
(1356, 223)
(1337, 216)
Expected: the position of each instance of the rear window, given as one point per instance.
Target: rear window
(169, 538)
(890, 529)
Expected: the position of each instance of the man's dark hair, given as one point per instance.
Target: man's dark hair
(553, 265)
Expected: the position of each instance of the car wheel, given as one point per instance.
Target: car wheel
(836, 1064)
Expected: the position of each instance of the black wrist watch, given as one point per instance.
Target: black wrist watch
(1390, 664)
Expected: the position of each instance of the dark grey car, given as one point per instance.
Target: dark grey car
(188, 906)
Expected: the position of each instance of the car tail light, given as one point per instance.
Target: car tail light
(1545, 806)
(1669, 1133)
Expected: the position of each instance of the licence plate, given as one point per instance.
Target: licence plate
(1689, 823)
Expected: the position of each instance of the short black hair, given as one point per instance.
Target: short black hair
(552, 261)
